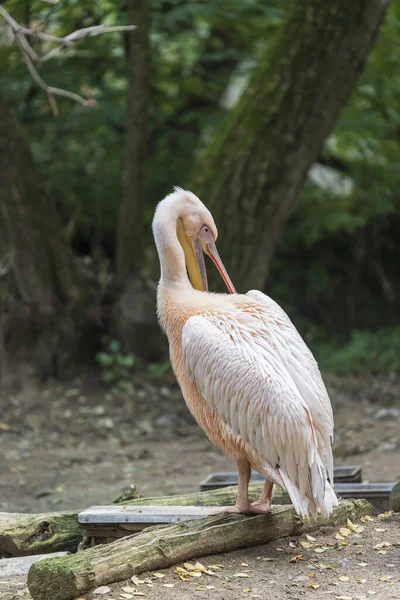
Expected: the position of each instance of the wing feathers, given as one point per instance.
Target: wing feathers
(266, 391)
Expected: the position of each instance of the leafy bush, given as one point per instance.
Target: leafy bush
(374, 352)
(116, 366)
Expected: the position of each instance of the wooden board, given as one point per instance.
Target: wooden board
(342, 474)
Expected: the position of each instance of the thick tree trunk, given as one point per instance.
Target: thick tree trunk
(129, 234)
(251, 174)
(67, 577)
(43, 318)
(134, 321)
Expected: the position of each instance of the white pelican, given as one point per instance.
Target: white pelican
(246, 374)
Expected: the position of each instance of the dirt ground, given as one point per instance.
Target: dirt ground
(76, 445)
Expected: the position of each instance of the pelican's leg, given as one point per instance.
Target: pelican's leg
(263, 504)
(242, 500)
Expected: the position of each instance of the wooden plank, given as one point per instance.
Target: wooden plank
(342, 474)
(149, 515)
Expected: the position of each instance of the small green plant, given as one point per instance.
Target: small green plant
(116, 366)
(158, 370)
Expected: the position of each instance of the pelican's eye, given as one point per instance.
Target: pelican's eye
(206, 234)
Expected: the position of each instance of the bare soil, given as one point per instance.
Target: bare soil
(69, 446)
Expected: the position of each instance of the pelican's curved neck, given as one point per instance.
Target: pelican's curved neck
(170, 252)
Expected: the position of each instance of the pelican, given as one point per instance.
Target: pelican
(246, 374)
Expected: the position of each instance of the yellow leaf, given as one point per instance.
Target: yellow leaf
(158, 575)
(314, 586)
(344, 543)
(344, 531)
(344, 597)
(189, 566)
(181, 571)
(245, 590)
(351, 525)
(244, 565)
(382, 551)
(199, 567)
(366, 518)
(306, 545)
(168, 585)
(296, 558)
(215, 566)
(361, 580)
(344, 578)
(319, 550)
(310, 538)
(311, 574)
(241, 575)
(380, 529)
(339, 537)
(385, 514)
(183, 578)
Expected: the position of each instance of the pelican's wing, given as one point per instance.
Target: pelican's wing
(246, 383)
(302, 369)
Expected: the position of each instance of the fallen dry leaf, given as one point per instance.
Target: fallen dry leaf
(311, 574)
(344, 531)
(361, 580)
(296, 558)
(128, 589)
(319, 550)
(244, 565)
(310, 538)
(362, 564)
(245, 590)
(314, 586)
(199, 567)
(189, 566)
(241, 575)
(339, 537)
(344, 597)
(127, 596)
(136, 580)
(168, 585)
(344, 578)
(103, 589)
(306, 545)
(380, 529)
(158, 575)
(351, 525)
(215, 566)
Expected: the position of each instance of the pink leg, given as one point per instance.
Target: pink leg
(263, 504)
(242, 501)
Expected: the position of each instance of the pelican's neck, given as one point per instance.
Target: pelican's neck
(170, 252)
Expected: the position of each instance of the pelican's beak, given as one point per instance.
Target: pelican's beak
(213, 254)
(194, 259)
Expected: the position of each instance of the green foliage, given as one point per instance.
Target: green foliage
(374, 352)
(158, 370)
(116, 366)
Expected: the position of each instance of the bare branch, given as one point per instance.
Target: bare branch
(30, 57)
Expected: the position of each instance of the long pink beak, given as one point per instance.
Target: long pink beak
(213, 254)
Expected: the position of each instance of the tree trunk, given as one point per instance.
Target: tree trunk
(252, 173)
(130, 225)
(67, 577)
(133, 319)
(43, 319)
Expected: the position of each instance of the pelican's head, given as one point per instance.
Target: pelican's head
(197, 234)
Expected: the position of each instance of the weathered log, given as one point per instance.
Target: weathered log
(159, 547)
(22, 535)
